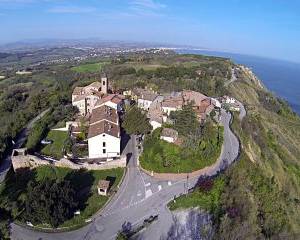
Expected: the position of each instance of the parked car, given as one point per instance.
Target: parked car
(46, 141)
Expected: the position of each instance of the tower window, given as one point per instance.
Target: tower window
(103, 83)
(104, 144)
(104, 150)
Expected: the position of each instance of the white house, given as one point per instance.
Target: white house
(144, 101)
(168, 134)
(85, 98)
(104, 140)
(80, 103)
(229, 100)
(114, 101)
(171, 104)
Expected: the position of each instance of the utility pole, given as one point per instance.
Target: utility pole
(187, 183)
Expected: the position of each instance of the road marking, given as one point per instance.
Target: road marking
(148, 193)
(169, 183)
(147, 184)
(159, 187)
(139, 194)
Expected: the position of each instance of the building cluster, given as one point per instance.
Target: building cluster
(159, 107)
(101, 110)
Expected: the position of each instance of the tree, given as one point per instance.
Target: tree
(121, 236)
(4, 224)
(185, 120)
(50, 202)
(136, 122)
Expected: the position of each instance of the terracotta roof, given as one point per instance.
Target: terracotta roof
(104, 113)
(192, 96)
(111, 97)
(77, 90)
(155, 112)
(103, 184)
(95, 85)
(172, 102)
(104, 127)
(169, 132)
(141, 91)
(79, 98)
(148, 96)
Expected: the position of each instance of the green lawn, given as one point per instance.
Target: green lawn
(89, 68)
(209, 201)
(163, 157)
(55, 149)
(13, 190)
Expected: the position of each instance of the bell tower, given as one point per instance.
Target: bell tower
(104, 83)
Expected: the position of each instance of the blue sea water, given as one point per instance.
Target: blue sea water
(281, 77)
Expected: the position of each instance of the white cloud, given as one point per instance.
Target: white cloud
(71, 9)
(147, 4)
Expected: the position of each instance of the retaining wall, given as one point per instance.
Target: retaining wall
(32, 161)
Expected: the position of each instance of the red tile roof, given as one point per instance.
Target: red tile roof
(104, 127)
(104, 113)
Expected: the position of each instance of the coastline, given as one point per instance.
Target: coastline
(279, 76)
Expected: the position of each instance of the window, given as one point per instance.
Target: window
(103, 83)
(103, 135)
(104, 150)
(104, 144)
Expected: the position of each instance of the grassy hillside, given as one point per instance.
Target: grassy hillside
(262, 197)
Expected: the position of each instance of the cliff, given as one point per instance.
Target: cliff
(262, 196)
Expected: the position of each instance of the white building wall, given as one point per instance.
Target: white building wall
(91, 101)
(168, 110)
(112, 146)
(155, 125)
(115, 106)
(144, 104)
(81, 105)
(168, 139)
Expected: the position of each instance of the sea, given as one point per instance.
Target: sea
(281, 77)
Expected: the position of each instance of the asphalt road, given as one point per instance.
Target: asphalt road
(139, 197)
(19, 141)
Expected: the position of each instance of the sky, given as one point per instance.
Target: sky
(268, 28)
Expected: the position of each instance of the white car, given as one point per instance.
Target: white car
(29, 224)
(46, 141)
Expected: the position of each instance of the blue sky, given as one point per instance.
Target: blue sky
(259, 27)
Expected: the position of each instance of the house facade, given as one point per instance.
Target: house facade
(114, 101)
(104, 140)
(85, 98)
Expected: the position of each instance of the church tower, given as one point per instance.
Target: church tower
(104, 83)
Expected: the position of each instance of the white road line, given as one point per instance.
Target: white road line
(147, 184)
(169, 183)
(148, 193)
(159, 187)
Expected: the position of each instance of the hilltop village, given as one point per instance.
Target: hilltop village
(102, 112)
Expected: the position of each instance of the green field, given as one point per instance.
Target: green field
(90, 67)
(13, 190)
(55, 149)
(163, 157)
(144, 66)
(207, 200)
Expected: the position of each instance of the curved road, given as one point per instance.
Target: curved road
(19, 141)
(139, 197)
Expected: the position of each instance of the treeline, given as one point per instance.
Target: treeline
(207, 76)
(41, 128)
(24, 97)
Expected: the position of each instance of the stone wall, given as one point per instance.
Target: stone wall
(20, 159)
